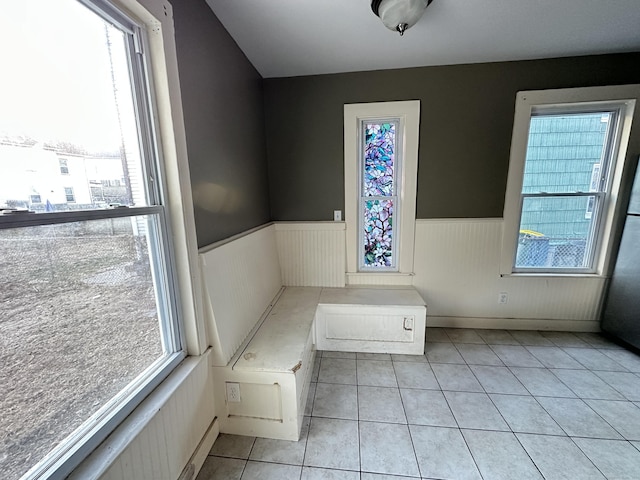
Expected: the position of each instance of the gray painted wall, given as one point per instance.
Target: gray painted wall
(465, 130)
(224, 119)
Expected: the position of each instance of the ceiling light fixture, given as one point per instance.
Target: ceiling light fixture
(399, 15)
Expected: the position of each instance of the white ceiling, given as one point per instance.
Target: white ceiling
(305, 37)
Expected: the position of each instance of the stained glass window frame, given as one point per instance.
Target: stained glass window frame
(363, 197)
(408, 111)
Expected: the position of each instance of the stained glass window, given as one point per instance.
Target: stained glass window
(378, 193)
(380, 139)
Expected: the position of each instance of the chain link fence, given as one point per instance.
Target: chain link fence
(551, 252)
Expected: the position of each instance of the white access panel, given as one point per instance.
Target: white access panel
(374, 320)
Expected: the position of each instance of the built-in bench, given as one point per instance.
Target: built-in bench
(264, 346)
(374, 319)
(272, 370)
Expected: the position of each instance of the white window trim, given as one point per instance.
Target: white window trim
(624, 95)
(156, 19)
(409, 114)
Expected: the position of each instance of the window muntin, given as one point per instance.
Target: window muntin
(96, 114)
(379, 165)
(563, 188)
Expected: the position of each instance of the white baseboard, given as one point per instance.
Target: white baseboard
(200, 455)
(514, 324)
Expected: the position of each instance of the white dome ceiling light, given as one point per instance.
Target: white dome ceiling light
(399, 15)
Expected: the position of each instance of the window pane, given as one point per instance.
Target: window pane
(555, 232)
(67, 117)
(379, 158)
(78, 322)
(564, 152)
(378, 233)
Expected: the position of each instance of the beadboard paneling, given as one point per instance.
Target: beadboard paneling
(311, 254)
(515, 323)
(158, 440)
(241, 277)
(457, 273)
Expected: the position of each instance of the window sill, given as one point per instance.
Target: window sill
(390, 274)
(379, 278)
(553, 275)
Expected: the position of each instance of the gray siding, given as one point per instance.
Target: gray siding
(561, 154)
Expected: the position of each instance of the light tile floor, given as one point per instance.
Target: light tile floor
(480, 404)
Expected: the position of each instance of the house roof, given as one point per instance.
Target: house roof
(303, 37)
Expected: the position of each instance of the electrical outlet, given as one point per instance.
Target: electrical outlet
(337, 215)
(407, 323)
(503, 298)
(233, 392)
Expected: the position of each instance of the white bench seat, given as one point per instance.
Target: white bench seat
(273, 367)
(375, 295)
(376, 319)
(279, 345)
(272, 370)
(264, 336)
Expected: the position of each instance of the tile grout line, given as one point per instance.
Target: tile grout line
(304, 457)
(587, 456)
(404, 410)
(527, 453)
(313, 403)
(613, 386)
(513, 434)
(565, 349)
(306, 442)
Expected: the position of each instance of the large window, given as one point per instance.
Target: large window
(566, 165)
(88, 311)
(381, 158)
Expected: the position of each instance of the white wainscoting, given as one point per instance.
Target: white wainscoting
(159, 439)
(457, 273)
(312, 254)
(241, 278)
